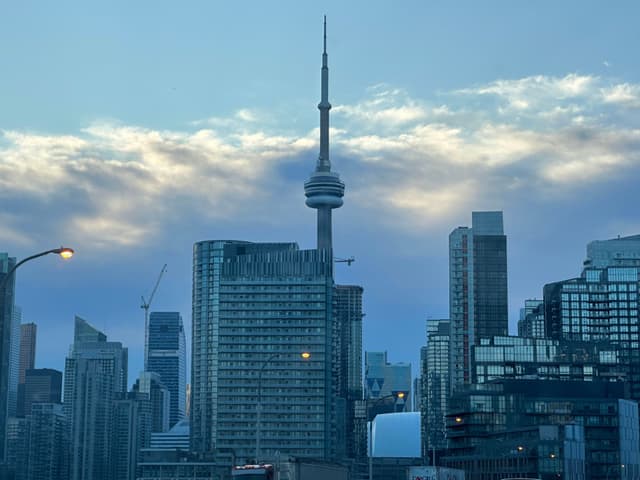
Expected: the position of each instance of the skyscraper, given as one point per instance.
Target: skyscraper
(14, 361)
(27, 361)
(7, 295)
(435, 376)
(130, 432)
(477, 289)
(95, 375)
(348, 353)
(167, 357)
(48, 443)
(601, 304)
(42, 385)
(150, 384)
(256, 308)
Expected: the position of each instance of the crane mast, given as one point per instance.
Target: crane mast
(145, 305)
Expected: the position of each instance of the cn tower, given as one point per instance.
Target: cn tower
(324, 189)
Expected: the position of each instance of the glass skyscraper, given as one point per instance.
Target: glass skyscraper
(601, 304)
(477, 289)
(7, 296)
(168, 358)
(95, 375)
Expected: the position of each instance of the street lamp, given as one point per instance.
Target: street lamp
(395, 396)
(304, 356)
(64, 252)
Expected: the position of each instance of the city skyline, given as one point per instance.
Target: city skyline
(420, 140)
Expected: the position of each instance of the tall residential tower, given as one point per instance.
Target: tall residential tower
(477, 289)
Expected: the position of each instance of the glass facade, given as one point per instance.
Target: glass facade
(435, 379)
(167, 357)
(601, 305)
(546, 359)
(477, 289)
(506, 408)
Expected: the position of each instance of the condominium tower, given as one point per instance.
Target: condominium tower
(477, 289)
(95, 375)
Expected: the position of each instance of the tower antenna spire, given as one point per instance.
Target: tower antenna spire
(325, 35)
(324, 189)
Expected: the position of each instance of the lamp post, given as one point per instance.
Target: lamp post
(64, 253)
(370, 418)
(304, 356)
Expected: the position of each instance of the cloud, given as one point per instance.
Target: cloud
(386, 106)
(420, 162)
(625, 94)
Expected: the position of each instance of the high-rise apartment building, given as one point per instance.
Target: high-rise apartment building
(48, 443)
(601, 304)
(7, 295)
(477, 289)
(17, 459)
(14, 361)
(130, 432)
(42, 385)
(167, 357)
(150, 384)
(27, 360)
(435, 382)
(348, 353)
(256, 308)
(95, 375)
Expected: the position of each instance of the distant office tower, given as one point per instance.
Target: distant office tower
(149, 383)
(95, 375)
(477, 289)
(167, 357)
(435, 374)
(7, 295)
(256, 308)
(42, 385)
(18, 431)
(348, 353)
(27, 360)
(387, 385)
(130, 432)
(601, 304)
(48, 443)
(531, 322)
(14, 361)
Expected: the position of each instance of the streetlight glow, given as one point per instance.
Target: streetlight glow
(401, 395)
(65, 253)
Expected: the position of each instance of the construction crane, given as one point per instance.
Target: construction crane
(348, 261)
(145, 305)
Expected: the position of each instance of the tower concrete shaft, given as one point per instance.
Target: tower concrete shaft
(324, 189)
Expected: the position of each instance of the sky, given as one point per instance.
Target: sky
(131, 130)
